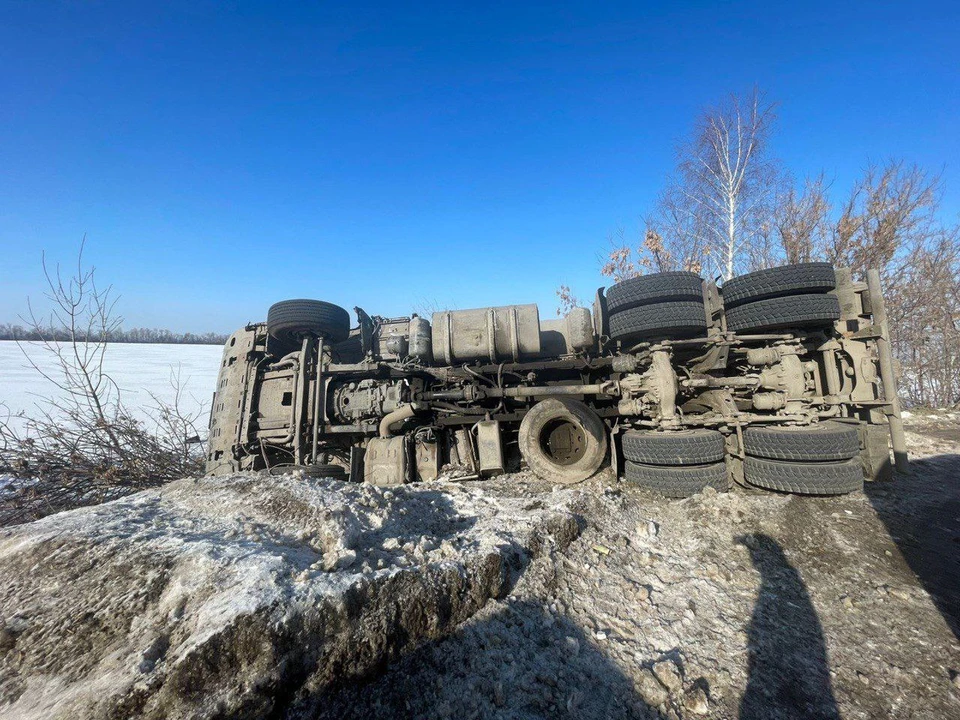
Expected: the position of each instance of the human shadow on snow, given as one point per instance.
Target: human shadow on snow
(789, 671)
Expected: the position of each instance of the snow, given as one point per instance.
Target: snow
(239, 586)
(10, 485)
(138, 369)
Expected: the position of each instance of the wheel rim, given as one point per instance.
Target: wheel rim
(563, 441)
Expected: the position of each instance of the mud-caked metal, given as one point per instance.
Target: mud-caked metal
(672, 382)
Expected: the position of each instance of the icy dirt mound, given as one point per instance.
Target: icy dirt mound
(248, 596)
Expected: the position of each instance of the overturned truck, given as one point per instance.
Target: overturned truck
(780, 379)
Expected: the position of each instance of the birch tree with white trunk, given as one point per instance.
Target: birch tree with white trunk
(725, 182)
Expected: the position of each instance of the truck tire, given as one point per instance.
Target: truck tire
(677, 482)
(824, 478)
(667, 319)
(659, 287)
(685, 447)
(816, 443)
(792, 311)
(799, 279)
(562, 440)
(289, 321)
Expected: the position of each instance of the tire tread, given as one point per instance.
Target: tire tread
(829, 478)
(678, 481)
(315, 315)
(678, 319)
(798, 311)
(658, 287)
(827, 441)
(692, 447)
(797, 279)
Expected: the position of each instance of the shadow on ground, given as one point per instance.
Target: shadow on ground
(921, 511)
(789, 672)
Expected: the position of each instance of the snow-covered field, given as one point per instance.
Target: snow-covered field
(139, 371)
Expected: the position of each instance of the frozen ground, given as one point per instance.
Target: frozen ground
(754, 607)
(138, 369)
(250, 596)
(289, 598)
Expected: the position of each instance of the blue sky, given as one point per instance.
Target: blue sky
(222, 156)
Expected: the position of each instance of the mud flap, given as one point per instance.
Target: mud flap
(875, 454)
(489, 448)
(428, 459)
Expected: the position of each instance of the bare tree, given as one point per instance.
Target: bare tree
(892, 207)
(800, 217)
(725, 179)
(890, 221)
(923, 299)
(718, 207)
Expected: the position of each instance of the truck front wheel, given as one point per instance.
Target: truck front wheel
(289, 321)
(563, 440)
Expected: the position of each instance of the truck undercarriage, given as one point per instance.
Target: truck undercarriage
(781, 379)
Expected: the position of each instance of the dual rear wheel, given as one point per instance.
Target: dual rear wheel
(820, 459)
(675, 464)
(791, 296)
(671, 304)
(813, 460)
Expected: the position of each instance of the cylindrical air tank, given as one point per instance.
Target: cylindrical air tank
(420, 346)
(496, 334)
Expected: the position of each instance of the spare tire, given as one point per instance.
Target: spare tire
(667, 319)
(794, 311)
(815, 443)
(677, 482)
(562, 440)
(659, 287)
(683, 447)
(799, 279)
(289, 321)
(825, 478)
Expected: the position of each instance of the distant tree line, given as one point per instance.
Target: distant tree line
(9, 331)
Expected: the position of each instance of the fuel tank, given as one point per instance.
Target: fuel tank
(507, 333)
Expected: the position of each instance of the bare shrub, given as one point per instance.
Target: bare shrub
(568, 301)
(85, 446)
(801, 221)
